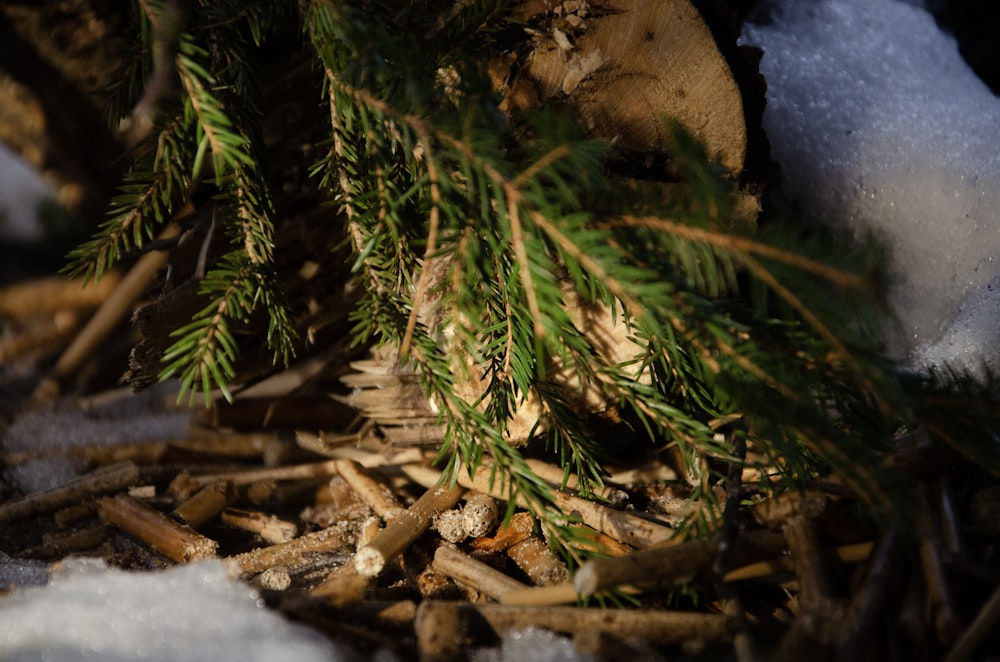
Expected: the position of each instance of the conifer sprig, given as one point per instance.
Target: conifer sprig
(500, 229)
(480, 241)
(211, 135)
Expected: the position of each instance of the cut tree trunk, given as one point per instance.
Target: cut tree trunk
(627, 69)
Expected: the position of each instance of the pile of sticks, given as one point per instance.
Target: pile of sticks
(365, 541)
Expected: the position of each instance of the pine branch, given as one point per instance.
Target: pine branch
(150, 194)
(492, 250)
(217, 118)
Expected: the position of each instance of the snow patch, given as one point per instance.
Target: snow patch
(878, 123)
(22, 193)
(193, 612)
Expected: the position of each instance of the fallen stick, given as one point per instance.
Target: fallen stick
(463, 568)
(108, 479)
(40, 337)
(450, 525)
(295, 472)
(652, 626)
(77, 541)
(623, 527)
(272, 529)
(175, 541)
(402, 531)
(141, 452)
(434, 585)
(557, 476)
(205, 504)
(674, 564)
(273, 579)
(946, 621)
(870, 601)
(70, 515)
(540, 596)
(259, 560)
(811, 568)
(50, 295)
(537, 561)
(984, 624)
(783, 564)
(479, 515)
(375, 494)
(343, 587)
(441, 631)
(663, 564)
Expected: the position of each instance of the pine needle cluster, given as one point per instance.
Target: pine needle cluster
(472, 231)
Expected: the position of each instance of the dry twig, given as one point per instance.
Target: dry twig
(102, 481)
(621, 526)
(403, 530)
(664, 565)
(272, 529)
(259, 560)
(204, 505)
(463, 568)
(175, 541)
(653, 626)
(375, 494)
(113, 310)
(537, 561)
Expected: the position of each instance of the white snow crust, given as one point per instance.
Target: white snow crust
(22, 192)
(188, 613)
(879, 124)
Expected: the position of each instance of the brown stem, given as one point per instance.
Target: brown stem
(204, 505)
(272, 529)
(653, 626)
(463, 568)
(250, 563)
(375, 494)
(402, 531)
(102, 481)
(175, 541)
(869, 603)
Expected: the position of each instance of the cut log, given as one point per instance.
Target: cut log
(627, 68)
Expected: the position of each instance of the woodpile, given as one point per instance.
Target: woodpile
(362, 542)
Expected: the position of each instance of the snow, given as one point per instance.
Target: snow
(879, 124)
(22, 572)
(22, 192)
(50, 429)
(535, 644)
(193, 612)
